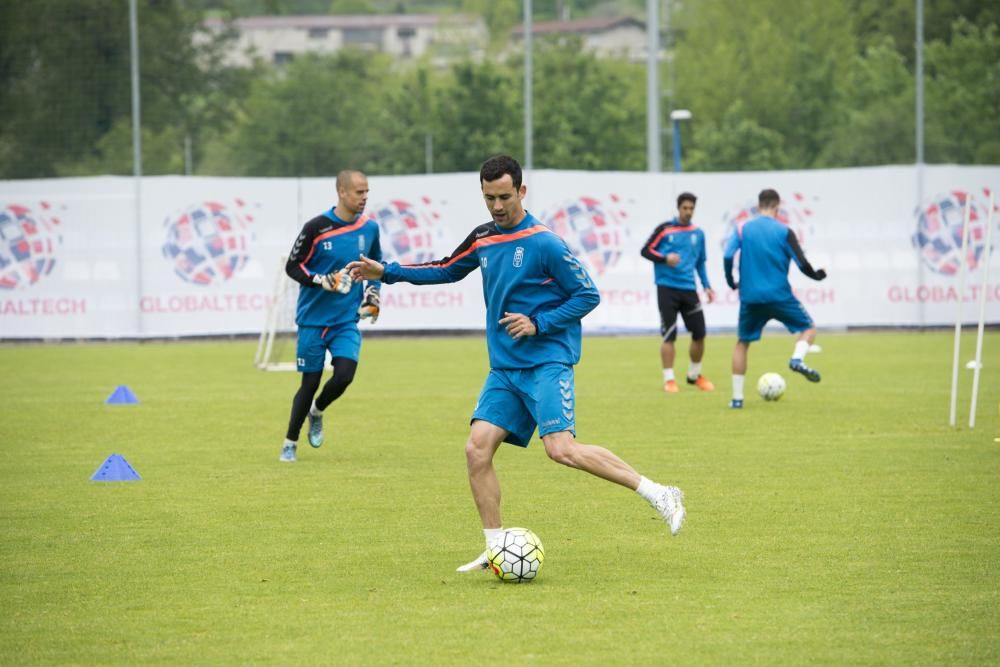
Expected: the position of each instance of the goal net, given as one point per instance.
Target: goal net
(276, 347)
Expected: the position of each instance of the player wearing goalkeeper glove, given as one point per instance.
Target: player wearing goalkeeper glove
(536, 293)
(330, 304)
(766, 249)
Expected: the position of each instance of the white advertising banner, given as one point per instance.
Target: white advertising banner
(75, 264)
(209, 253)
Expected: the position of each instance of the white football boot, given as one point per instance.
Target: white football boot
(669, 502)
(481, 563)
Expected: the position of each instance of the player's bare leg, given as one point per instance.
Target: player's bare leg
(484, 440)
(697, 350)
(694, 376)
(563, 448)
(667, 355)
(797, 362)
(740, 353)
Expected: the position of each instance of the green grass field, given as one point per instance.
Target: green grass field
(846, 524)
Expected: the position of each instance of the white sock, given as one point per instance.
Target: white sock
(314, 411)
(647, 489)
(738, 387)
(490, 533)
(289, 443)
(801, 347)
(668, 374)
(694, 370)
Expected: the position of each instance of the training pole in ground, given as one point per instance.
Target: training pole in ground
(958, 320)
(982, 317)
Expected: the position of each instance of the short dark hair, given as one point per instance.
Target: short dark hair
(344, 178)
(686, 196)
(768, 198)
(497, 166)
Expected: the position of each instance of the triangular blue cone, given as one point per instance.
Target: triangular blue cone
(115, 469)
(122, 395)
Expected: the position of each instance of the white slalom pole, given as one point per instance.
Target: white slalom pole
(982, 316)
(958, 319)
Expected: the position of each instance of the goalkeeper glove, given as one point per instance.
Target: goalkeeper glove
(369, 306)
(338, 281)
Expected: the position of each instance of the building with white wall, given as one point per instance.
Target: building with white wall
(279, 39)
(605, 37)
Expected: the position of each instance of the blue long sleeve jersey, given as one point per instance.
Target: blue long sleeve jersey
(689, 243)
(326, 244)
(528, 270)
(766, 249)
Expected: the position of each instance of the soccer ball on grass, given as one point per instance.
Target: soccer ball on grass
(771, 386)
(515, 555)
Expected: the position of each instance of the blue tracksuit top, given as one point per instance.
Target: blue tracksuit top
(326, 244)
(689, 243)
(766, 249)
(526, 269)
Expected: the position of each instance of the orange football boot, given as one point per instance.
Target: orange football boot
(702, 383)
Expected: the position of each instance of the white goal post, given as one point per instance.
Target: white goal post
(277, 339)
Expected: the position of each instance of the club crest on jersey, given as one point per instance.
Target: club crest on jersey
(518, 256)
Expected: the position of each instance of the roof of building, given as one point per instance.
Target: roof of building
(339, 22)
(578, 26)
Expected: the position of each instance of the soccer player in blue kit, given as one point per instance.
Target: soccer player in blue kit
(766, 249)
(536, 293)
(677, 249)
(330, 304)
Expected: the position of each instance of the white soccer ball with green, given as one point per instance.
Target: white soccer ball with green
(771, 386)
(515, 555)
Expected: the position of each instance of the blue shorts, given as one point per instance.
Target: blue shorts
(518, 400)
(313, 342)
(753, 317)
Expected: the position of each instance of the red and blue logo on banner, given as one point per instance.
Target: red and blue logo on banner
(594, 232)
(28, 243)
(796, 213)
(208, 243)
(938, 238)
(409, 232)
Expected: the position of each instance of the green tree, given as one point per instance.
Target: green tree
(321, 115)
(875, 106)
(66, 71)
(59, 77)
(500, 16)
(479, 113)
(589, 113)
(112, 153)
(963, 96)
(735, 143)
(781, 59)
(350, 7)
(875, 20)
(406, 111)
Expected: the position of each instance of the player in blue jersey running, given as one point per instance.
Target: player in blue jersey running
(536, 293)
(330, 304)
(766, 248)
(677, 249)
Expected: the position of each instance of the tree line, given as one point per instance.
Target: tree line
(772, 84)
